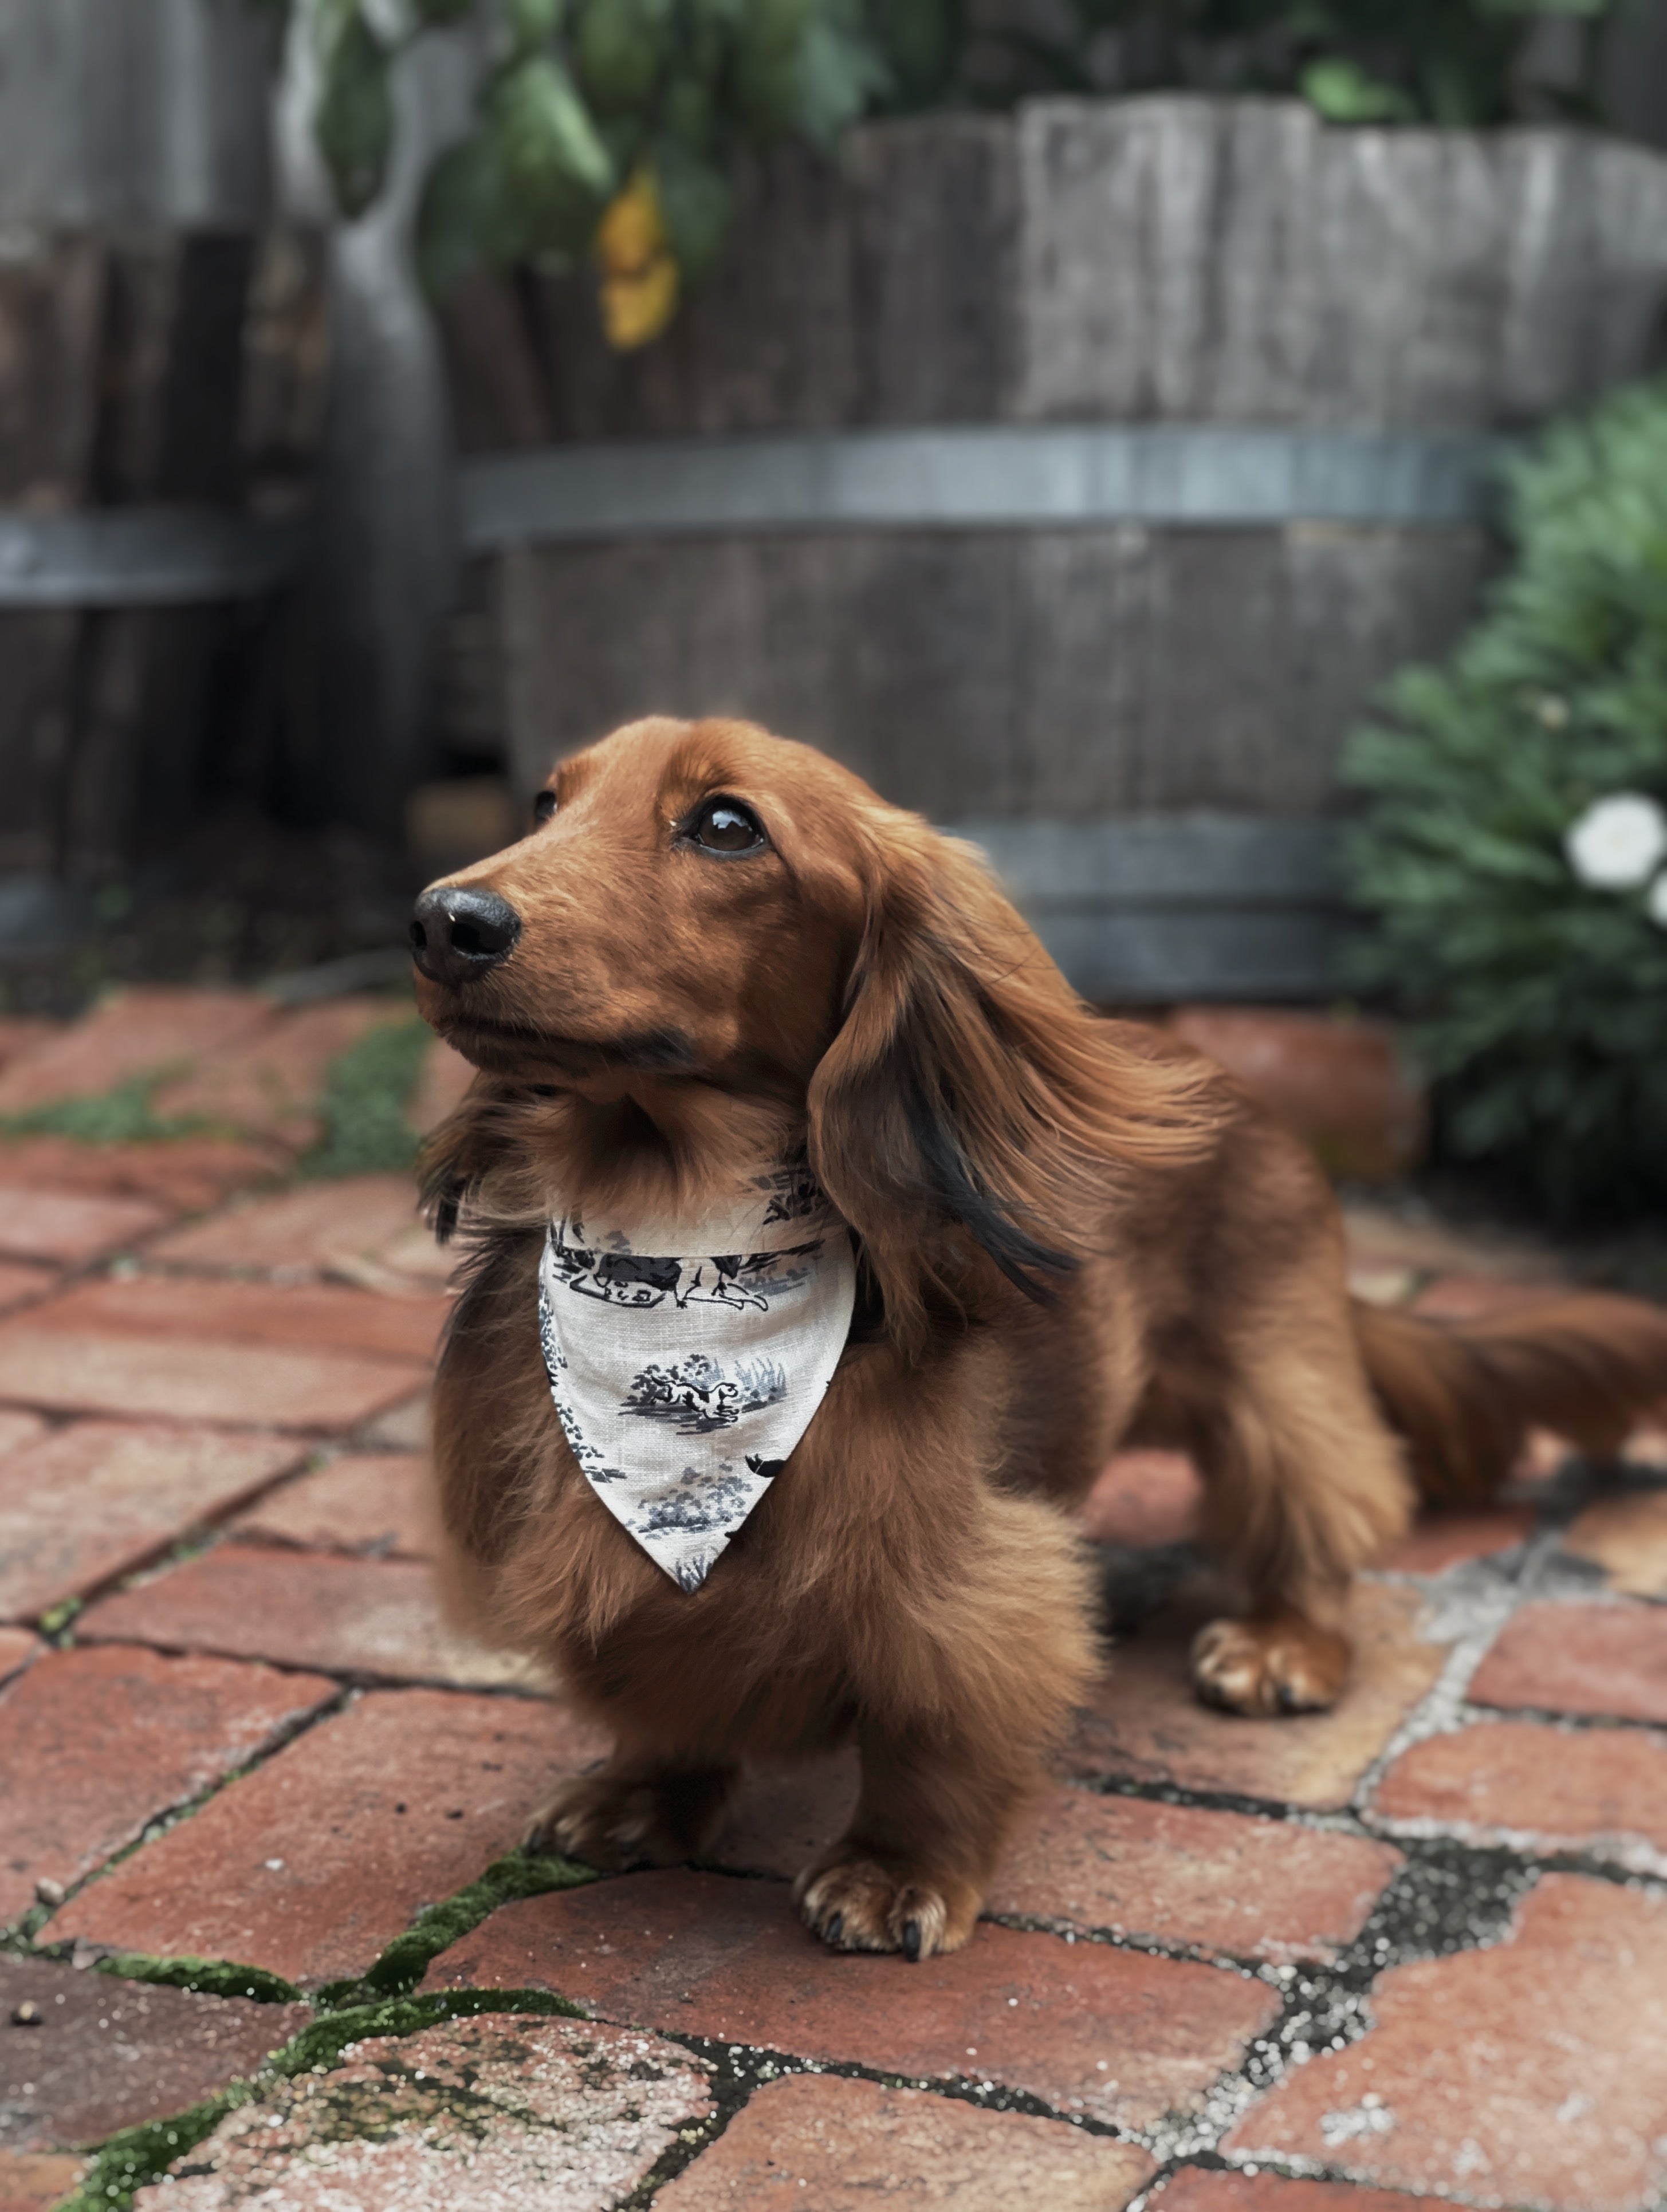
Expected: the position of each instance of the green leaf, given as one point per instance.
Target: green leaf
(697, 200)
(353, 120)
(921, 43)
(766, 71)
(460, 218)
(1342, 91)
(841, 72)
(438, 15)
(620, 49)
(556, 173)
(531, 24)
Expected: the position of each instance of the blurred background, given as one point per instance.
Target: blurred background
(1207, 452)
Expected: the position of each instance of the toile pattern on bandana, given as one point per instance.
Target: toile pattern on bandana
(683, 1380)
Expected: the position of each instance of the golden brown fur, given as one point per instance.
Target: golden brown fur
(1072, 1235)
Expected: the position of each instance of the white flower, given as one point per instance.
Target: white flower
(1655, 902)
(1619, 843)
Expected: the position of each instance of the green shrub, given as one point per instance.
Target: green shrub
(1521, 914)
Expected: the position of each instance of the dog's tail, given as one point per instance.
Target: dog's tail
(1464, 1394)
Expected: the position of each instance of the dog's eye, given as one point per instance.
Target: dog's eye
(724, 825)
(543, 807)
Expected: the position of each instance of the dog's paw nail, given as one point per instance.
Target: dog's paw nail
(834, 1928)
(912, 1941)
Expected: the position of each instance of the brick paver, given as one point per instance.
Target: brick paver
(18, 1428)
(376, 1619)
(370, 1502)
(83, 1505)
(183, 1174)
(90, 1371)
(327, 1317)
(1600, 1790)
(478, 2116)
(109, 1739)
(22, 1282)
(17, 1647)
(1627, 1538)
(316, 1228)
(311, 1865)
(109, 2054)
(269, 1085)
(132, 1034)
(1440, 1541)
(1144, 1722)
(1115, 2034)
(840, 2146)
(38, 2180)
(1607, 1659)
(1144, 1498)
(66, 1226)
(1531, 2072)
(1169, 1873)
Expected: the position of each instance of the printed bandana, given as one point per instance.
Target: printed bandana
(683, 1381)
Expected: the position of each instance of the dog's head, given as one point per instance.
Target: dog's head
(702, 912)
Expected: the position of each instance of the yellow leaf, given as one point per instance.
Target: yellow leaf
(632, 235)
(636, 309)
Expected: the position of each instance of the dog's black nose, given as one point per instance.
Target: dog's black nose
(458, 932)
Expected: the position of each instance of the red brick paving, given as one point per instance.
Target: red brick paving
(312, 1864)
(184, 1175)
(1144, 1723)
(327, 1317)
(1532, 2071)
(1144, 1498)
(1441, 1540)
(132, 1033)
(21, 1281)
(65, 1226)
(36, 2181)
(111, 2054)
(1115, 2034)
(369, 1502)
(321, 1320)
(258, 1386)
(315, 1228)
(840, 2146)
(85, 1504)
(1170, 1873)
(1602, 1790)
(1600, 1659)
(269, 1085)
(371, 1618)
(111, 1738)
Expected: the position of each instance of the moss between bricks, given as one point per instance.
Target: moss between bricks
(122, 1115)
(363, 1106)
(407, 1959)
(210, 1978)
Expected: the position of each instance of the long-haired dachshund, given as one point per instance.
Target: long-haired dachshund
(716, 948)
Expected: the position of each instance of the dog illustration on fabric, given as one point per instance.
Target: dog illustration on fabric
(697, 1395)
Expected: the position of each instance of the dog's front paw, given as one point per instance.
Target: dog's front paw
(856, 1903)
(1285, 1665)
(612, 1821)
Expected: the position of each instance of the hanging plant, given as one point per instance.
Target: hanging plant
(611, 129)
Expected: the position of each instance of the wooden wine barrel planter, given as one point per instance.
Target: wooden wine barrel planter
(133, 197)
(1089, 467)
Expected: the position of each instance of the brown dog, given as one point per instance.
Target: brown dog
(716, 947)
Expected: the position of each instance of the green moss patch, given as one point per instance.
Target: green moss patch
(407, 1959)
(212, 1977)
(366, 1094)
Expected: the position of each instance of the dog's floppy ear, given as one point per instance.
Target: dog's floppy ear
(969, 1089)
